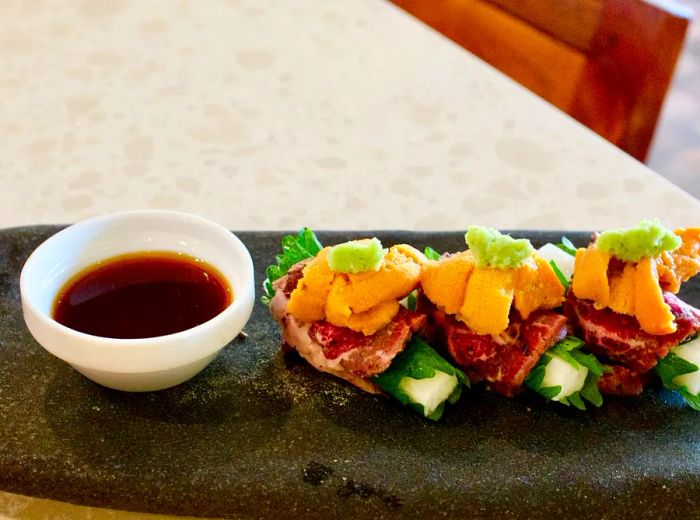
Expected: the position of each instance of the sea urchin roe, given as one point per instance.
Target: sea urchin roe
(650, 308)
(494, 249)
(649, 238)
(444, 281)
(482, 296)
(536, 287)
(634, 290)
(308, 300)
(368, 322)
(398, 275)
(678, 266)
(591, 275)
(487, 301)
(364, 301)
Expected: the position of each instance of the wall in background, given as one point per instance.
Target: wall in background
(675, 152)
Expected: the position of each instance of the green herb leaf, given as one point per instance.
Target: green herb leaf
(589, 361)
(295, 248)
(567, 246)
(437, 413)
(560, 275)
(456, 393)
(575, 399)
(568, 344)
(536, 375)
(566, 356)
(692, 400)
(549, 392)
(590, 390)
(307, 240)
(565, 347)
(418, 361)
(569, 350)
(671, 367)
(411, 301)
(431, 254)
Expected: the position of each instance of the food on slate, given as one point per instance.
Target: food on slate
(623, 305)
(493, 307)
(567, 323)
(339, 309)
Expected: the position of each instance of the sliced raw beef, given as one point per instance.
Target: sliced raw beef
(619, 337)
(623, 381)
(502, 361)
(288, 283)
(338, 350)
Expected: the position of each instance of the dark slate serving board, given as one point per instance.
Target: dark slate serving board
(261, 435)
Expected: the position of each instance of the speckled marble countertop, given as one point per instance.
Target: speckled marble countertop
(329, 114)
(332, 114)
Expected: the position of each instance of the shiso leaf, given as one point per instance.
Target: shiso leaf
(569, 350)
(590, 391)
(692, 400)
(589, 361)
(491, 248)
(550, 392)
(648, 238)
(295, 248)
(673, 366)
(534, 378)
(575, 399)
(419, 361)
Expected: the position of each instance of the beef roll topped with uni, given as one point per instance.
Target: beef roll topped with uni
(623, 304)
(494, 308)
(340, 309)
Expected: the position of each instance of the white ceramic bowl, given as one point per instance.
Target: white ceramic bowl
(146, 364)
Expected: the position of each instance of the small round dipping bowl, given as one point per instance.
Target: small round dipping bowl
(146, 364)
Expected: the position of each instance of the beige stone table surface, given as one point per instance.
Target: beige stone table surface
(273, 115)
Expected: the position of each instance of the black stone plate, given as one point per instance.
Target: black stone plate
(261, 435)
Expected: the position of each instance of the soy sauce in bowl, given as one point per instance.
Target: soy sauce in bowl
(142, 295)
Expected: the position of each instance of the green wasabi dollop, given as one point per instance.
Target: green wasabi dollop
(491, 248)
(648, 238)
(356, 256)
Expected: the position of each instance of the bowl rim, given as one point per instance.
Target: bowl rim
(241, 295)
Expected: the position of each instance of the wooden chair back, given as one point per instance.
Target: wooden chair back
(607, 63)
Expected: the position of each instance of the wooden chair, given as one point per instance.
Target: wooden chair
(607, 63)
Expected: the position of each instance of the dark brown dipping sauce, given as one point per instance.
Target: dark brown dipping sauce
(142, 295)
